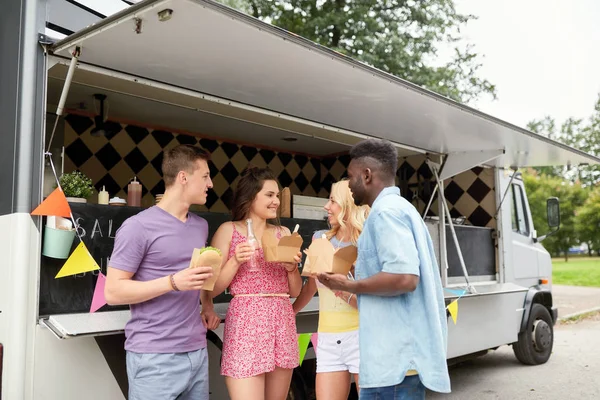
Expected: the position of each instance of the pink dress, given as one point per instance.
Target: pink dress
(260, 332)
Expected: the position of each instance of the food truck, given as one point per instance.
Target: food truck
(109, 98)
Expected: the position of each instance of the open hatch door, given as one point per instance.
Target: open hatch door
(211, 50)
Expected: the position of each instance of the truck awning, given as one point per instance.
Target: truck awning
(210, 49)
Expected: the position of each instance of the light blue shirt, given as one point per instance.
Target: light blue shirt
(409, 331)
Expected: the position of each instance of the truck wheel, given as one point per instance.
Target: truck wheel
(535, 343)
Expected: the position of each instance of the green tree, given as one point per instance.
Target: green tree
(587, 221)
(578, 133)
(547, 127)
(571, 133)
(397, 36)
(589, 140)
(571, 196)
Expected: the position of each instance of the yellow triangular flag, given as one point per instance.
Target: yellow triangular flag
(453, 309)
(80, 261)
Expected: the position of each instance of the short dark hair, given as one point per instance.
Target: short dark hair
(250, 183)
(181, 158)
(378, 151)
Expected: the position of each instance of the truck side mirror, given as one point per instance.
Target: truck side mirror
(553, 217)
(553, 212)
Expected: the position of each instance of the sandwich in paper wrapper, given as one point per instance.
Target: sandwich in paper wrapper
(208, 257)
(282, 250)
(321, 257)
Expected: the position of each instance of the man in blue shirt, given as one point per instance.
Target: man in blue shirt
(403, 325)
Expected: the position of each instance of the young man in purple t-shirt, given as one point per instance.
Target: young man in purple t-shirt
(148, 269)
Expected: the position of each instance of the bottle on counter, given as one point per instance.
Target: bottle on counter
(253, 261)
(285, 208)
(103, 196)
(134, 193)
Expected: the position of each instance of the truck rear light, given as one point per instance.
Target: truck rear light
(544, 281)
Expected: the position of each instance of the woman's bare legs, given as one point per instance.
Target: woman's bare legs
(277, 384)
(333, 385)
(252, 388)
(356, 383)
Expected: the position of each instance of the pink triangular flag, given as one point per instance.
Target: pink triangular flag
(314, 339)
(98, 300)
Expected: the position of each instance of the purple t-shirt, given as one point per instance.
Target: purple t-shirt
(154, 244)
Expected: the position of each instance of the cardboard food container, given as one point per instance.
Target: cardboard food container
(322, 257)
(281, 250)
(210, 258)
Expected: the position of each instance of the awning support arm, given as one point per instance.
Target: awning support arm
(434, 169)
(65, 92)
(455, 163)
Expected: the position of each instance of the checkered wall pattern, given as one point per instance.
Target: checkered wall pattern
(113, 160)
(469, 194)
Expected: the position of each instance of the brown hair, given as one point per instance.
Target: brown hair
(181, 158)
(251, 182)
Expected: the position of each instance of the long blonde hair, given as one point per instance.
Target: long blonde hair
(351, 216)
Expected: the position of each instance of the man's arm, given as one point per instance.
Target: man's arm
(396, 251)
(386, 284)
(121, 289)
(210, 318)
(381, 284)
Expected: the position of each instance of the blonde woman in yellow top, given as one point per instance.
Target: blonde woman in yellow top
(337, 348)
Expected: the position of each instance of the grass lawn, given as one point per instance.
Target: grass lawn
(578, 271)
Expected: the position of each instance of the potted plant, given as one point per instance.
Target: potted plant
(76, 186)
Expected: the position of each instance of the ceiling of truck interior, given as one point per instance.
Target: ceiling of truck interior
(210, 49)
(132, 103)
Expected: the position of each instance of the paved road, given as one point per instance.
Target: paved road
(575, 299)
(572, 372)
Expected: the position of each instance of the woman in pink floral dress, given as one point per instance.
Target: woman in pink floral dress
(260, 348)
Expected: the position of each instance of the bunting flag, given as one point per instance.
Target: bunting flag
(55, 204)
(98, 300)
(303, 341)
(457, 292)
(453, 309)
(314, 339)
(80, 261)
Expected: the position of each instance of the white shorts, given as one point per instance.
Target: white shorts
(338, 352)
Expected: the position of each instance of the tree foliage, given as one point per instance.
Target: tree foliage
(587, 220)
(397, 36)
(578, 133)
(571, 196)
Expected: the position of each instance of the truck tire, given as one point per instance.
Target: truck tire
(535, 343)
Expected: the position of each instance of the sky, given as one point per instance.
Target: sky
(542, 55)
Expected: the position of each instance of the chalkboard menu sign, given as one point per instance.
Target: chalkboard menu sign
(97, 227)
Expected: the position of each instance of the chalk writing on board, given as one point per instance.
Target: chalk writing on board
(97, 228)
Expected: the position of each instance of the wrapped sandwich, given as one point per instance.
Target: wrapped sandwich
(208, 257)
